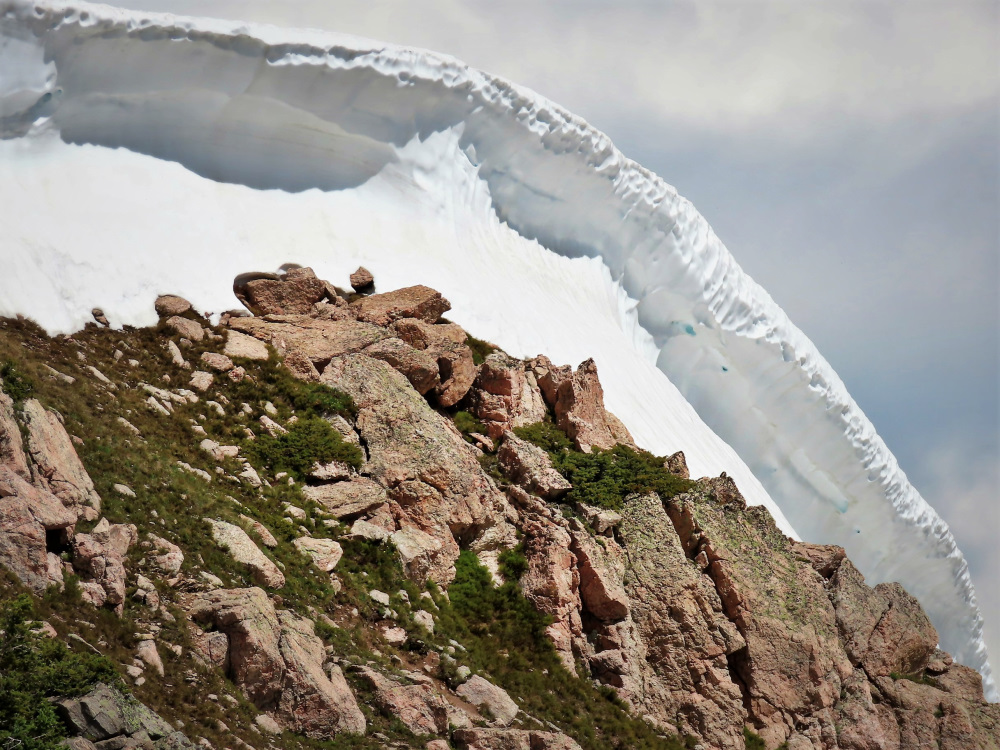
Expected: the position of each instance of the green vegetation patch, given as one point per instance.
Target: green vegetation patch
(921, 678)
(309, 441)
(480, 349)
(546, 436)
(33, 669)
(16, 384)
(466, 423)
(513, 563)
(604, 478)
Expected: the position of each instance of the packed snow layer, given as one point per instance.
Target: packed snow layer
(144, 153)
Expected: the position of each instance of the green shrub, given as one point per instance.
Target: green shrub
(513, 563)
(467, 423)
(480, 349)
(605, 478)
(318, 399)
(309, 441)
(16, 384)
(753, 740)
(921, 678)
(503, 612)
(546, 436)
(268, 381)
(472, 592)
(34, 668)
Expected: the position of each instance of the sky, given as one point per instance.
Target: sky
(848, 155)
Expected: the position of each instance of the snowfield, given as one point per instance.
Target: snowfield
(143, 154)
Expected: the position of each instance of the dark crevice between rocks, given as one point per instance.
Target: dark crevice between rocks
(363, 445)
(57, 541)
(695, 547)
(738, 663)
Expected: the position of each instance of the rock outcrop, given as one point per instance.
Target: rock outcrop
(704, 617)
(888, 631)
(530, 467)
(418, 706)
(241, 547)
(55, 463)
(100, 556)
(419, 302)
(577, 399)
(241, 346)
(112, 720)
(694, 609)
(28, 515)
(506, 395)
(552, 582)
(430, 473)
(11, 441)
(349, 498)
(277, 660)
(313, 702)
(189, 329)
(294, 293)
(674, 647)
(317, 339)
(325, 553)
(512, 739)
(486, 696)
(420, 368)
(457, 370)
(422, 335)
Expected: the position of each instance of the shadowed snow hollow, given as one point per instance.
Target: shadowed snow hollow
(143, 154)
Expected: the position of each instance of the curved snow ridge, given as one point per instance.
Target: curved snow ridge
(276, 109)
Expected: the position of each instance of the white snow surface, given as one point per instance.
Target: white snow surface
(143, 154)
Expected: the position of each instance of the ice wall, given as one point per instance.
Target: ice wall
(187, 148)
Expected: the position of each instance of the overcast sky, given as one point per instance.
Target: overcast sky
(846, 153)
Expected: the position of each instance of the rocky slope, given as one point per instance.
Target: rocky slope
(343, 522)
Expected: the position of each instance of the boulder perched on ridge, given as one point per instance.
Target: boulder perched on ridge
(294, 293)
(362, 279)
(420, 302)
(170, 304)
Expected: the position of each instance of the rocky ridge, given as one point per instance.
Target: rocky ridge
(691, 609)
